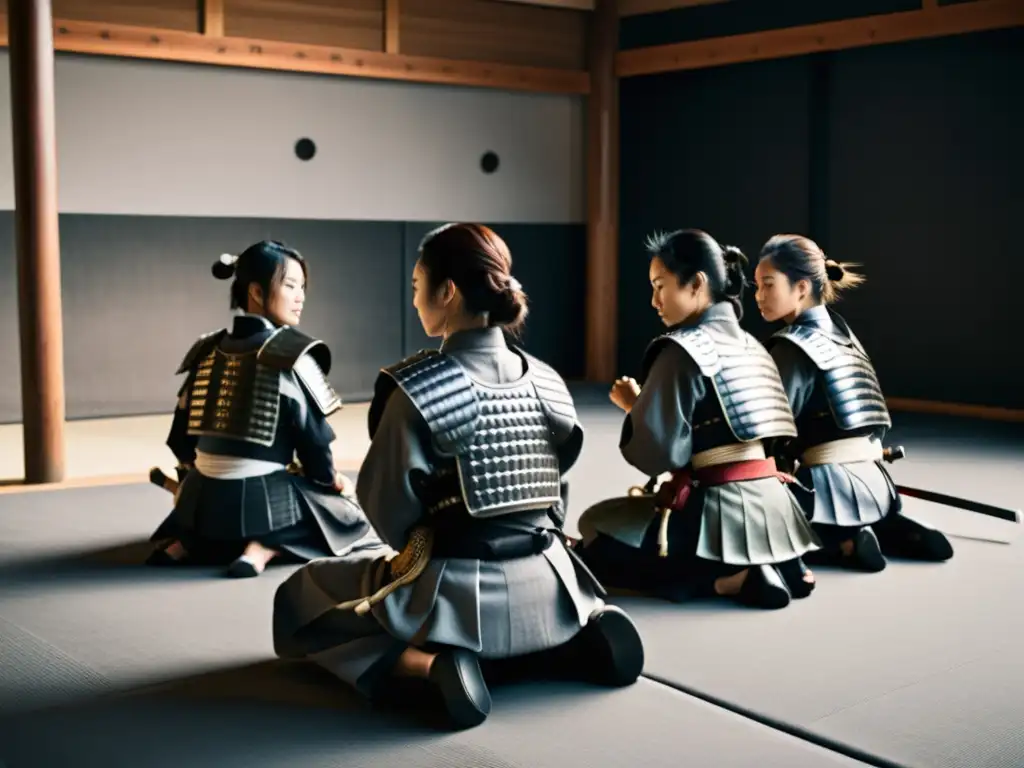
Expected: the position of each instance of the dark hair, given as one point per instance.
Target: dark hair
(686, 252)
(800, 258)
(264, 263)
(479, 263)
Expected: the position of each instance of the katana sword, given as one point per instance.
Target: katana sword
(1011, 515)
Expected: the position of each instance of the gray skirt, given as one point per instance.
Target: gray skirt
(498, 609)
(743, 523)
(847, 495)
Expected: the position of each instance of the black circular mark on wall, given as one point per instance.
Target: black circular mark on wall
(489, 162)
(305, 149)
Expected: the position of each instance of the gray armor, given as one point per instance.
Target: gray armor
(238, 395)
(503, 437)
(851, 386)
(745, 380)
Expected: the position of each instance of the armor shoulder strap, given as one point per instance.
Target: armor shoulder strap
(554, 396)
(699, 345)
(823, 351)
(202, 347)
(440, 391)
(287, 345)
(314, 381)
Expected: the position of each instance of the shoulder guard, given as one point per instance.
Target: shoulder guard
(203, 346)
(695, 342)
(319, 389)
(440, 391)
(555, 398)
(287, 345)
(823, 351)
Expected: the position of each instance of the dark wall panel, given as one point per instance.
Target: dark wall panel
(137, 291)
(925, 191)
(550, 261)
(725, 150)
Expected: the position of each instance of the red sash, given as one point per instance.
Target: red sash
(673, 493)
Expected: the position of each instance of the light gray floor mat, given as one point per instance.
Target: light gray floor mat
(106, 663)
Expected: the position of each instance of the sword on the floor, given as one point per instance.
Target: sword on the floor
(1012, 515)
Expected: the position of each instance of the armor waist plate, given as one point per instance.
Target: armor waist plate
(851, 386)
(744, 378)
(503, 438)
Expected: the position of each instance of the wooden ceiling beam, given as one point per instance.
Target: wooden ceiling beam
(962, 18)
(168, 45)
(572, 5)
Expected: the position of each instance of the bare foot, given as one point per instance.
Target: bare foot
(259, 555)
(175, 550)
(414, 663)
(808, 576)
(847, 548)
(731, 585)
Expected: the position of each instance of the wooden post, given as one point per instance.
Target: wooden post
(603, 195)
(392, 38)
(30, 31)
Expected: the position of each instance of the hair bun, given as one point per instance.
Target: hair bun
(224, 267)
(734, 257)
(834, 271)
(735, 260)
(509, 306)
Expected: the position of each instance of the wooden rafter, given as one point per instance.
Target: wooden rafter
(572, 5)
(139, 42)
(977, 16)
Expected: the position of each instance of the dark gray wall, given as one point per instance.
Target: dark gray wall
(137, 291)
(904, 158)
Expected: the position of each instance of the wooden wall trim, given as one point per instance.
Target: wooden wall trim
(638, 7)
(169, 45)
(986, 412)
(211, 17)
(977, 16)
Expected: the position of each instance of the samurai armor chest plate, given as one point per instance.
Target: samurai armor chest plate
(850, 383)
(503, 438)
(235, 396)
(745, 380)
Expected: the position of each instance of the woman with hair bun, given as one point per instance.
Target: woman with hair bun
(255, 399)
(724, 524)
(840, 410)
(469, 445)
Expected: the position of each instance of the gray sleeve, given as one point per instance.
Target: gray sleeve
(798, 374)
(400, 446)
(657, 435)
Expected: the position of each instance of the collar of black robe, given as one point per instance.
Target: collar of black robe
(247, 325)
(475, 338)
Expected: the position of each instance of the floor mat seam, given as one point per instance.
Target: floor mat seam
(781, 726)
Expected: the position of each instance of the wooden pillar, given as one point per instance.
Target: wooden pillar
(603, 195)
(30, 44)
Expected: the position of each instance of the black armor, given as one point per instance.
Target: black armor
(238, 395)
(503, 438)
(851, 388)
(744, 377)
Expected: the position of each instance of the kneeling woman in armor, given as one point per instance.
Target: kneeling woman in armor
(724, 523)
(255, 398)
(840, 412)
(464, 476)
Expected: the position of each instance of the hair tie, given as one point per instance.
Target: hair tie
(228, 259)
(833, 270)
(514, 285)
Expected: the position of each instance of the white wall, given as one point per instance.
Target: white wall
(142, 137)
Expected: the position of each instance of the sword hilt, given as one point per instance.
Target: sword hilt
(158, 478)
(894, 453)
